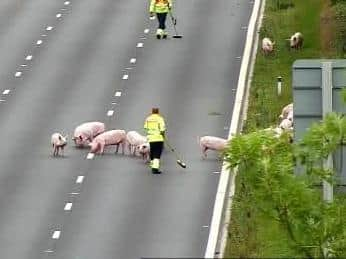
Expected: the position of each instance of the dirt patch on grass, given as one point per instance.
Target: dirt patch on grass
(327, 30)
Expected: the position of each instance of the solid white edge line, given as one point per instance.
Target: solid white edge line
(7, 91)
(80, 179)
(225, 173)
(56, 234)
(68, 206)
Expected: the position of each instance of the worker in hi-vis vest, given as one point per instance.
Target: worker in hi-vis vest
(155, 128)
(161, 8)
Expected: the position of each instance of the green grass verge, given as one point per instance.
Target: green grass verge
(250, 236)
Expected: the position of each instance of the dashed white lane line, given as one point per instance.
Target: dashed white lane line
(23, 65)
(68, 206)
(74, 193)
(67, 3)
(117, 94)
(1, 100)
(29, 57)
(216, 172)
(80, 179)
(146, 31)
(110, 113)
(206, 226)
(7, 91)
(18, 74)
(56, 234)
(125, 77)
(133, 61)
(58, 15)
(49, 28)
(140, 45)
(90, 156)
(39, 42)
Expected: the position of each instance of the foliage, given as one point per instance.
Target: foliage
(270, 188)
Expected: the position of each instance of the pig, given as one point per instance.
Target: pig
(267, 46)
(111, 137)
(58, 142)
(212, 143)
(286, 124)
(287, 110)
(85, 133)
(133, 139)
(144, 151)
(296, 40)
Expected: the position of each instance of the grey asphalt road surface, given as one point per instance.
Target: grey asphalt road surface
(62, 64)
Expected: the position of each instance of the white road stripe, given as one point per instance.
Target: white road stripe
(140, 45)
(118, 94)
(146, 31)
(74, 193)
(58, 15)
(18, 74)
(49, 28)
(39, 42)
(216, 172)
(110, 113)
(125, 77)
(1, 100)
(67, 3)
(68, 206)
(23, 65)
(29, 57)
(56, 234)
(90, 156)
(80, 179)
(7, 91)
(133, 61)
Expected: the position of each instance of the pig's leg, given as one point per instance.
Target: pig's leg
(204, 151)
(123, 146)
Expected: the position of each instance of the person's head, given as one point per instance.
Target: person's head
(155, 111)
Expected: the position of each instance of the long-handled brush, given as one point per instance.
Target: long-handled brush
(174, 22)
(179, 161)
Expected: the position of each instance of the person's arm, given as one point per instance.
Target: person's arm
(152, 7)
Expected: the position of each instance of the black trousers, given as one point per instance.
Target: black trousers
(161, 17)
(156, 149)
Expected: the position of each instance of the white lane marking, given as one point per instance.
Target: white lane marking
(80, 179)
(39, 42)
(68, 206)
(56, 234)
(29, 57)
(216, 172)
(90, 156)
(67, 3)
(44, 35)
(58, 15)
(238, 57)
(140, 45)
(125, 77)
(114, 103)
(110, 113)
(206, 226)
(118, 94)
(133, 61)
(49, 28)
(18, 74)
(244, 27)
(7, 91)
(128, 68)
(1, 100)
(23, 65)
(143, 38)
(49, 251)
(63, 9)
(74, 193)
(146, 31)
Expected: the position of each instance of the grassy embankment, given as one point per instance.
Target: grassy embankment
(258, 237)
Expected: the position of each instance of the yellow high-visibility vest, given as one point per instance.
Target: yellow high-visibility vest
(154, 126)
(160, 6)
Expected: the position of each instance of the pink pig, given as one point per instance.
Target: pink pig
(111, 137)
(267, 45)
(84, 133)
(133, 139)
(58, 142)
(287, 111)
(144, 151)
(212, 143)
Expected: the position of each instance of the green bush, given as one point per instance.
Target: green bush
(340, 16)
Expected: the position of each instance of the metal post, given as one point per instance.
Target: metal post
(279, 78)
(327, 107)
